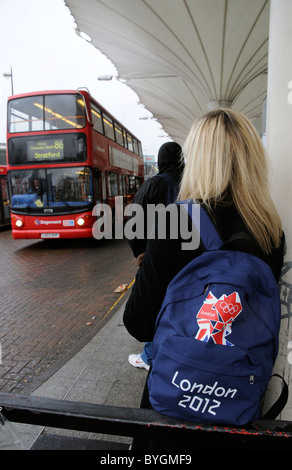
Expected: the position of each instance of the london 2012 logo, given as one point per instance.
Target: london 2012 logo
(215, 318)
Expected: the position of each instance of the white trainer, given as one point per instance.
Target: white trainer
(136, 361)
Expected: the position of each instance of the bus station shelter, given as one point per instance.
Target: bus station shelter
(185, 57)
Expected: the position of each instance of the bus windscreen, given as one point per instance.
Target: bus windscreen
(57, 188)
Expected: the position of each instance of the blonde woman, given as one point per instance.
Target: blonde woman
(225, 171)
(226, 164)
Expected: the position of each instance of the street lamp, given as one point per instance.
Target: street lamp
(105, 78)
(9, 75)
(83, 35)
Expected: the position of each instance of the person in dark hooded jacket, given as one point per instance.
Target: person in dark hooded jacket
(155, 189)
(160, 189)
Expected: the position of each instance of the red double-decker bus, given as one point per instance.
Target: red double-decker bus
(66, 154)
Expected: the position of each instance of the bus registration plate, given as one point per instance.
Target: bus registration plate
(50, 235)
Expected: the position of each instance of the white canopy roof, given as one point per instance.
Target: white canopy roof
(184, 57)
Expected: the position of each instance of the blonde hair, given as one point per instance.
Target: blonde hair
(224, 155)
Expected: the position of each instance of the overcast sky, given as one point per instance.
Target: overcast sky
(38, 41)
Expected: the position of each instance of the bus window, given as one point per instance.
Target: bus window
(136, 149)
(52, 187)
(120, 184)
(108, 127)
(130, 142)
(69, 186)
(63, 112)
(28, 188)
(140, 149)
(112, 184)
(132, 184)
(48, 112)
(124, 184)
(125, 138)
(96, 118)
(2, 156)
(119, 134)
(103, 186)
(4, 200)
(138, 183)
(26, 114)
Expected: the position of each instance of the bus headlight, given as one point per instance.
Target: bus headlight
(80, 221)
(19, 223)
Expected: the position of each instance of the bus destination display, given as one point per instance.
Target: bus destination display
(51, 149)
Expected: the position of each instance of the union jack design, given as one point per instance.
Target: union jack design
(215, 318)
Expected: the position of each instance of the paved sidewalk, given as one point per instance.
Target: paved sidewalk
(99, 373)
(54, 297)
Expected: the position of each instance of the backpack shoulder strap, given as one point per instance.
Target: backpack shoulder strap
(204, 225)
(280, 403)
(210, 237)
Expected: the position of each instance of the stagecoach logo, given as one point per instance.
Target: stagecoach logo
(47, 222)
(215, 318)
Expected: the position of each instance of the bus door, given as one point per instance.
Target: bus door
(115, 197)
(123, 191)
(4, 202)
(97, 186)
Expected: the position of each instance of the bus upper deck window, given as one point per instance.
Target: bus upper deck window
(46, 112)
(130, 142)
(96, 118)
(119, 134)
(25, 114)
(64, 112)
(108, 127)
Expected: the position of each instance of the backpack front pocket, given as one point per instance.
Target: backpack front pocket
(205, 391)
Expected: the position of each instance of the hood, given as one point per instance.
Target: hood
(170, 158)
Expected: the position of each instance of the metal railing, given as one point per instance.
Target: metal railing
(137, 422)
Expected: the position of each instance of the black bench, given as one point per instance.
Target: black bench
(122, 421)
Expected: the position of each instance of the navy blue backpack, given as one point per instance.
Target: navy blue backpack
(216, 337)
